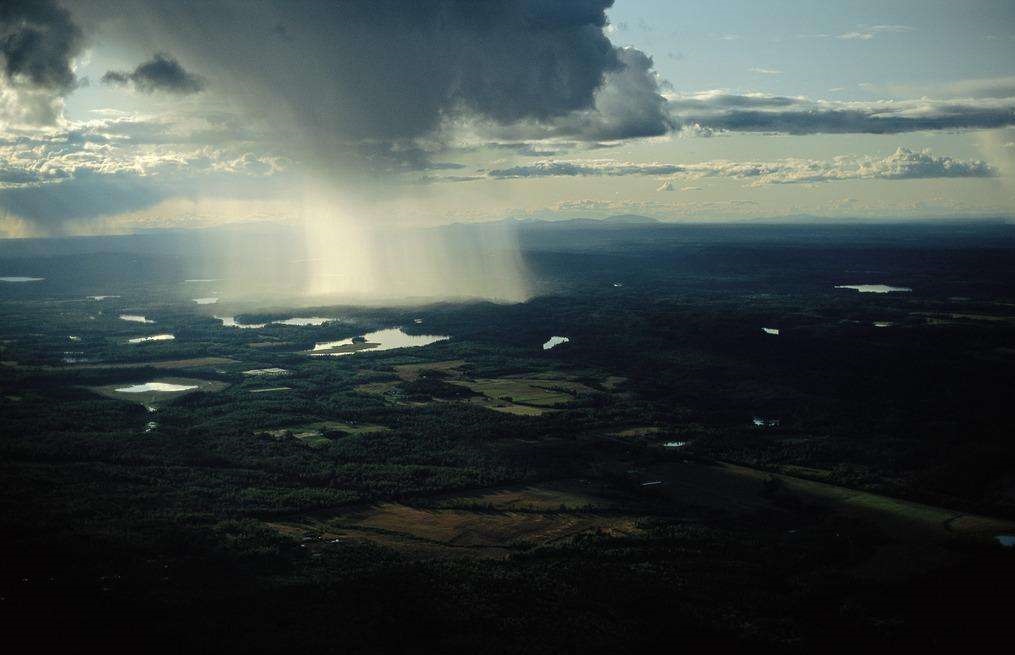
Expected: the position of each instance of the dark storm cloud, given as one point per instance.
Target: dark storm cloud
(161, 73)
(628, 105)
(389, 71)
(38, 40)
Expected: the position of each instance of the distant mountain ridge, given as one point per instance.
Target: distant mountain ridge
(617, 220)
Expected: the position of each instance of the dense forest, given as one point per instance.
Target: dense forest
(657, 463)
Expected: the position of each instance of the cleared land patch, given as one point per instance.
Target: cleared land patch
(523, 395)
(640, 431)
(312, 434)
(507, 407)
(526, 391)
(489, 524)
(411, 372)
(940, 520)
(387, 390)
(611, 382)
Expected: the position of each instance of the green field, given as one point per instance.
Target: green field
(890, 512)
(312, 434)
(541, 393)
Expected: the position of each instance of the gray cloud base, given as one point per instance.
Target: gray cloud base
(766, 113)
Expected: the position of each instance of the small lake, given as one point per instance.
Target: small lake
(164, 387)
(388, 339)
(230, 321)
(554, 342)
(266, 371)
(774, 331)
(206, 301)
(154, 337)
(297, 321)
(302, 321)
(135, 318)
(16, 279)
(873, 288)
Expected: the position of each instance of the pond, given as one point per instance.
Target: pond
(306, 320)
(135, 318)
(154, 337)
(230, 321)
(206, 301)
(388, 339)
(298, 321)
(873, 288)
(163, 387)
(266, 371)
(16, 278)
(554, 342)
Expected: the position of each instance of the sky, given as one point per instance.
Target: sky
(122, 116)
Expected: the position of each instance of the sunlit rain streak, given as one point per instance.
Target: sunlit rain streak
(349, 258)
